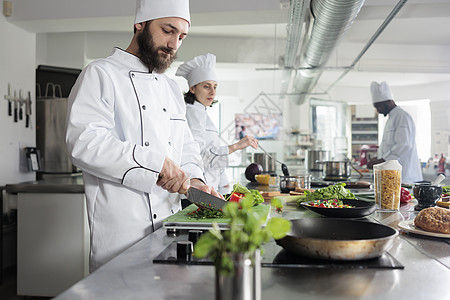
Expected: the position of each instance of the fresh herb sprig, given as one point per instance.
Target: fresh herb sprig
(245, 235)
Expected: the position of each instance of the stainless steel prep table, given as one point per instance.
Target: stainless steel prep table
(57, 184)
(52, 234)
(133, 275)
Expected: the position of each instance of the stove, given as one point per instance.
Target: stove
(348, 184)
(276, 257)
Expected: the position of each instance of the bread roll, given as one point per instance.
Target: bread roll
(434, 219)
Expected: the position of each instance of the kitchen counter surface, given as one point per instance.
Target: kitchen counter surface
(133, 275)
(56, 184)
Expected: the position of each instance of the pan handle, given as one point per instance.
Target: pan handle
(359, 172)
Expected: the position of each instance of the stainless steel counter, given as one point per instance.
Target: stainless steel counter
(133, 275)
(56, 184)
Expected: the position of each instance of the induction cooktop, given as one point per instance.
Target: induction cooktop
(276, 257)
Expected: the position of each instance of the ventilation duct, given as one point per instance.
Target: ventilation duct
(297, 12)
(330, 20)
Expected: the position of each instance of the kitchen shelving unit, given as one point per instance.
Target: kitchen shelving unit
(295, 148)
(364, 131)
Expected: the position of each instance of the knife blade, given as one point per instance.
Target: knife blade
(203, 199)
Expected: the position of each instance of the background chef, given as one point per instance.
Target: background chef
(202, 80)
(127, 132)
(399, 135)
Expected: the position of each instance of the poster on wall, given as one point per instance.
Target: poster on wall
(261, 126)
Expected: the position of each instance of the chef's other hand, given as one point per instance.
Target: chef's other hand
(248, 140)
(374, 161)
(172, 178)
(197, 183)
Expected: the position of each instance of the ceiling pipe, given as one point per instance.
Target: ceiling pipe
(294, 27)
(377, 33)
(330, 20)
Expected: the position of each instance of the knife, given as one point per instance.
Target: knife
(28, 110)
(15, 108)
(203, 199)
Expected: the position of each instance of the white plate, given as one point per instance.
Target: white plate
(410, 227)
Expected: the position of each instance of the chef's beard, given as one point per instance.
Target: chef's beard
(149, 53)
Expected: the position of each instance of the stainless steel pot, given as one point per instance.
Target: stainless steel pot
(290, 183)
(338, 239)
(336, 170)
(268, 163)
(313, 157)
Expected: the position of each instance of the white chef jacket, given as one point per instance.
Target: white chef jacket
(122, 123)
(215, 155)
(399, 143)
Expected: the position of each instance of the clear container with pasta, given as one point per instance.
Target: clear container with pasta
(387, 183)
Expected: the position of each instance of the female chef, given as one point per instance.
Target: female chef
(202, 80)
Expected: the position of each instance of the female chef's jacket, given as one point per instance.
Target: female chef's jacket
(398, 143)
(215, 156)
(122, 123)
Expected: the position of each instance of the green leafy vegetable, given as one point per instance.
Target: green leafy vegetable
(336, 191)
(446, 189)
(238, 188)
(245, 235)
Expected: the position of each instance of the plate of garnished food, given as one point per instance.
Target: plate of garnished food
(340, 208)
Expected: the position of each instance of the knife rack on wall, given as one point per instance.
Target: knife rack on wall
(18, 105)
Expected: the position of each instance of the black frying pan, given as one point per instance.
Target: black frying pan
(338, 239)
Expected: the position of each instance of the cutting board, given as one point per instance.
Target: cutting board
(181, 220)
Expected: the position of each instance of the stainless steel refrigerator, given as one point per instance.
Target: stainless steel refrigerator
(50, 136)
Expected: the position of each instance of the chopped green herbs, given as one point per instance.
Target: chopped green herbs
(206, 213)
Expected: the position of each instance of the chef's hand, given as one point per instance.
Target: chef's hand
(243, 143)
(373, 162)
(198, 184)
(172, 178)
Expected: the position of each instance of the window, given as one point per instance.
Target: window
(328, 124)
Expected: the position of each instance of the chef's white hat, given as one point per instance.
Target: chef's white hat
(198, 69)
(380, 92)
(147, 10)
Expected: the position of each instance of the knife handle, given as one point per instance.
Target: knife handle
(20, 113)
(9, 108)
(15, 114)
(27, 121)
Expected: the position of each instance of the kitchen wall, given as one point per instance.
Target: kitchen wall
(241, 83)
(17, 67)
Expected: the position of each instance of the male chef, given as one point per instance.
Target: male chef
(128, 133)
(398, 142)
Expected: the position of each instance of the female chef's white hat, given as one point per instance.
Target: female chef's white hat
(147, 10)
(198, 69)
(380, 92)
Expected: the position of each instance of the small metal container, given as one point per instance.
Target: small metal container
(268, 163)
(313, 159)
(290, 183)
(336, 170)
